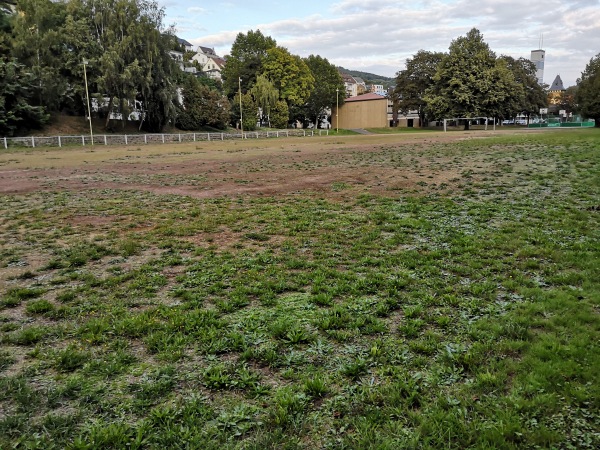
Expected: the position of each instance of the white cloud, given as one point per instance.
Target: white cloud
(196, 10)
(378, 36)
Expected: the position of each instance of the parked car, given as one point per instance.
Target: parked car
(508, 122)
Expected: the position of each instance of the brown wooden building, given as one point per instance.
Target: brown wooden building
(362, 111)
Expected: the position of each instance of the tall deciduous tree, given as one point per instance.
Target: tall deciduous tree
(289, 74)
(202, 106)
(588, 90)
(245, 61)
(16, 88)
(38, 44)
(529, 96)
(127, 53)
(328, 88)
(414, 80)
(567, 100)
(249, 109)
(469, 81)
(280, 115)
(5, 29)
(265, 95)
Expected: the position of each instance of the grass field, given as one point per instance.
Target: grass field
(359, 292)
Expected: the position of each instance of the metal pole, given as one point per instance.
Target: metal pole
(241, 111)
(85, 62)
(337, 107)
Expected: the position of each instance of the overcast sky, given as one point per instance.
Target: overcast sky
(377, 36)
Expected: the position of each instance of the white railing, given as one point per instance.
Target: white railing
(140, 139)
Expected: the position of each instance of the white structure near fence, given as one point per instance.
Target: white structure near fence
(139, 139)
(455, 119)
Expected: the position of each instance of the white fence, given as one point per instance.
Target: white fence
(140, 139)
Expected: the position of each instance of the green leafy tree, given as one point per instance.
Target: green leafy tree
(127, 53)
(588, 90)
(245, 61)
(38, 44)
(250, 110)
(265, 95)
(567, 100)
(529, 96)
(413, 82)
(5, 29)
(289, 74)
(280, 115)
(17, 85)
(202, 106)
(328, 88)
(469, 81)
(157, 89)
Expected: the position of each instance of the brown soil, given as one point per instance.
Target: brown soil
(231, 168)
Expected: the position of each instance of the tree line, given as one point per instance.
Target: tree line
(471, 81)
(123, 47)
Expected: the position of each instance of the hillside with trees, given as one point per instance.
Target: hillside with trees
(369, 78)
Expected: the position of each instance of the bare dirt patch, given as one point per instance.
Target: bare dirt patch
(252, 167)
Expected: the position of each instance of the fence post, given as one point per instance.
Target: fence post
(5, 144)
(221, 136)
(145, 139)
(105, 143)
(179, 137)
(163, 138)
(83, 140)
(59, 142)
(125, 139)
(195, 137)
(208, 136)
(32, 141)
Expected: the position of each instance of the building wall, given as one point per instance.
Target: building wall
(363, 114)
(410, 122)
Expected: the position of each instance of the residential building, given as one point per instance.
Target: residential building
(377, 89)
(361, 86)
(214, 67)
(185, 45)
(350, 84)
(203, 54)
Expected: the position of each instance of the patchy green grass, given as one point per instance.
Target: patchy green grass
(463, 313)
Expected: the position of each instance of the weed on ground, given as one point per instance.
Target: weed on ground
(438, 295)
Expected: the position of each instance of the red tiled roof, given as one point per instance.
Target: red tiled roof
(365, 97)
(219, 61)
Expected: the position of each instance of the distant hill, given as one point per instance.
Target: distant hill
(369, 78)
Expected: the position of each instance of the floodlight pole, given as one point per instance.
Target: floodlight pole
(87, 95)
(241, 111)
(337, 107)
